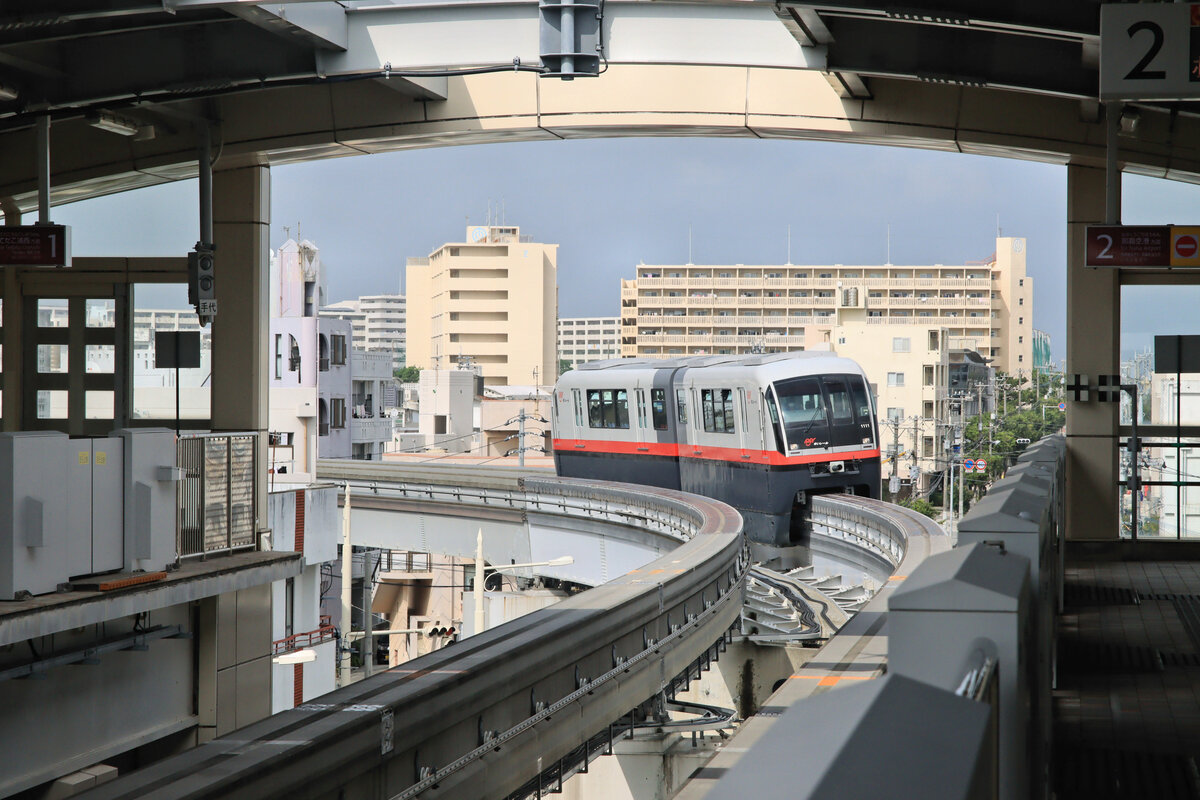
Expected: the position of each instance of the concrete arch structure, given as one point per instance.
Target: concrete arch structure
(307, 80)
(673, 69)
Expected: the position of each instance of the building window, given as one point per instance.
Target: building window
(716, 407)
(278, 356)
(895, 379)
(895, 414)
(1020, 320)
(1020, 359)
(1021, 282)
(928, 375)
(339, 349)
(1020, 339)
(1020, 301)
(337, 407)
(901, 344)
(608, 408)
(293, 354)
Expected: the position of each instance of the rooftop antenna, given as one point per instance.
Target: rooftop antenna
(998, 231)
(503, 212)
(789, 260)
(889, 243)
(287, 232)
(689, 243)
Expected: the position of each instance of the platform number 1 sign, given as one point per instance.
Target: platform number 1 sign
(1149, 51)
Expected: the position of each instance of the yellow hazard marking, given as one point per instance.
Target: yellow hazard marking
(101, 458)
(84, 455)
(832, 680)
(897, 577)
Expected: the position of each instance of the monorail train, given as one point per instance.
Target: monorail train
(758, 432)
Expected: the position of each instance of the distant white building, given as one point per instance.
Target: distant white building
(583, 339)
(309, 369)
(379, 322)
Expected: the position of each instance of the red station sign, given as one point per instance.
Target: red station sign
(35, 246)
(1146, 246)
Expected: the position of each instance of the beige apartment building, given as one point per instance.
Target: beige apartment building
(695, 309)
(492, 300)
(908, 367)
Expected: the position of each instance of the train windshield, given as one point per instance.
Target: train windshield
(826, 411)
(802, 410)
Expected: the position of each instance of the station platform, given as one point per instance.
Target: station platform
(1127, 702)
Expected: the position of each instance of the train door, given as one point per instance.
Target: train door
(577, 396)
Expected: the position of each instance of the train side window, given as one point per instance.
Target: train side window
(658, 408)
(776, 428)
(595, 419)
(681, 405)
(716, 406)
(621, 406)
(578, 408)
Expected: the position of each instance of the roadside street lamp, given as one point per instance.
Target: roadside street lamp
(481, 579)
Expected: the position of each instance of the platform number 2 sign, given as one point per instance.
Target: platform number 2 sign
(1149, 51)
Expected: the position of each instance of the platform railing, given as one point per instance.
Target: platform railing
(299, 641)
(217, 494)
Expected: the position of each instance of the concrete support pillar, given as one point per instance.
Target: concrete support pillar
(14, 326)
(241, 230)
(1093, 345)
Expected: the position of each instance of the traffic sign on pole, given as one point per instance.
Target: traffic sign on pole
(981, 465)
(1062, 406)
(969, 465)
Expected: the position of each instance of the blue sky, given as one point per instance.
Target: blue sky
(610, 203)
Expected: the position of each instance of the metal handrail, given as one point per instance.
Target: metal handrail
(299, 641)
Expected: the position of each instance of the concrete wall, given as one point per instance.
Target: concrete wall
(79, 715)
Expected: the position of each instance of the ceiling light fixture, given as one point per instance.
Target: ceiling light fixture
(107, 121)
(8, 92)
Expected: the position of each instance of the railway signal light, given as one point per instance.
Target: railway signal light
(202, 292)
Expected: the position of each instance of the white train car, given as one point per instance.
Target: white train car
(758, 432)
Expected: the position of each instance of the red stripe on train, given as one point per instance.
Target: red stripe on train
(676, 450)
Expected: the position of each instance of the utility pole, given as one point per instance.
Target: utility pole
(895, 446)
(948, 496)
(521, 438)
(479, 583)
(915, 471)
(347, 580)
(962, 482)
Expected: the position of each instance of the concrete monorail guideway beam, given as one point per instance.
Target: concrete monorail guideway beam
(672, 69)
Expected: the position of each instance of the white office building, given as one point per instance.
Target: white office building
(583, 339)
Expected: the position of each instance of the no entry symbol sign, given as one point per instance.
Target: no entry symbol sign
(1186, 245)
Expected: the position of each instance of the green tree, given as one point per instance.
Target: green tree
(408, 374)
(564, 365)
(921, 507)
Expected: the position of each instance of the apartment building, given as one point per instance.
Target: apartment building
(378, 321)
(319, 406)
(583, 339)
(492, 300)
(711, 309)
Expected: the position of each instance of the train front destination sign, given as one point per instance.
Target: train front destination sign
(35, 246)
(1144, 246)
